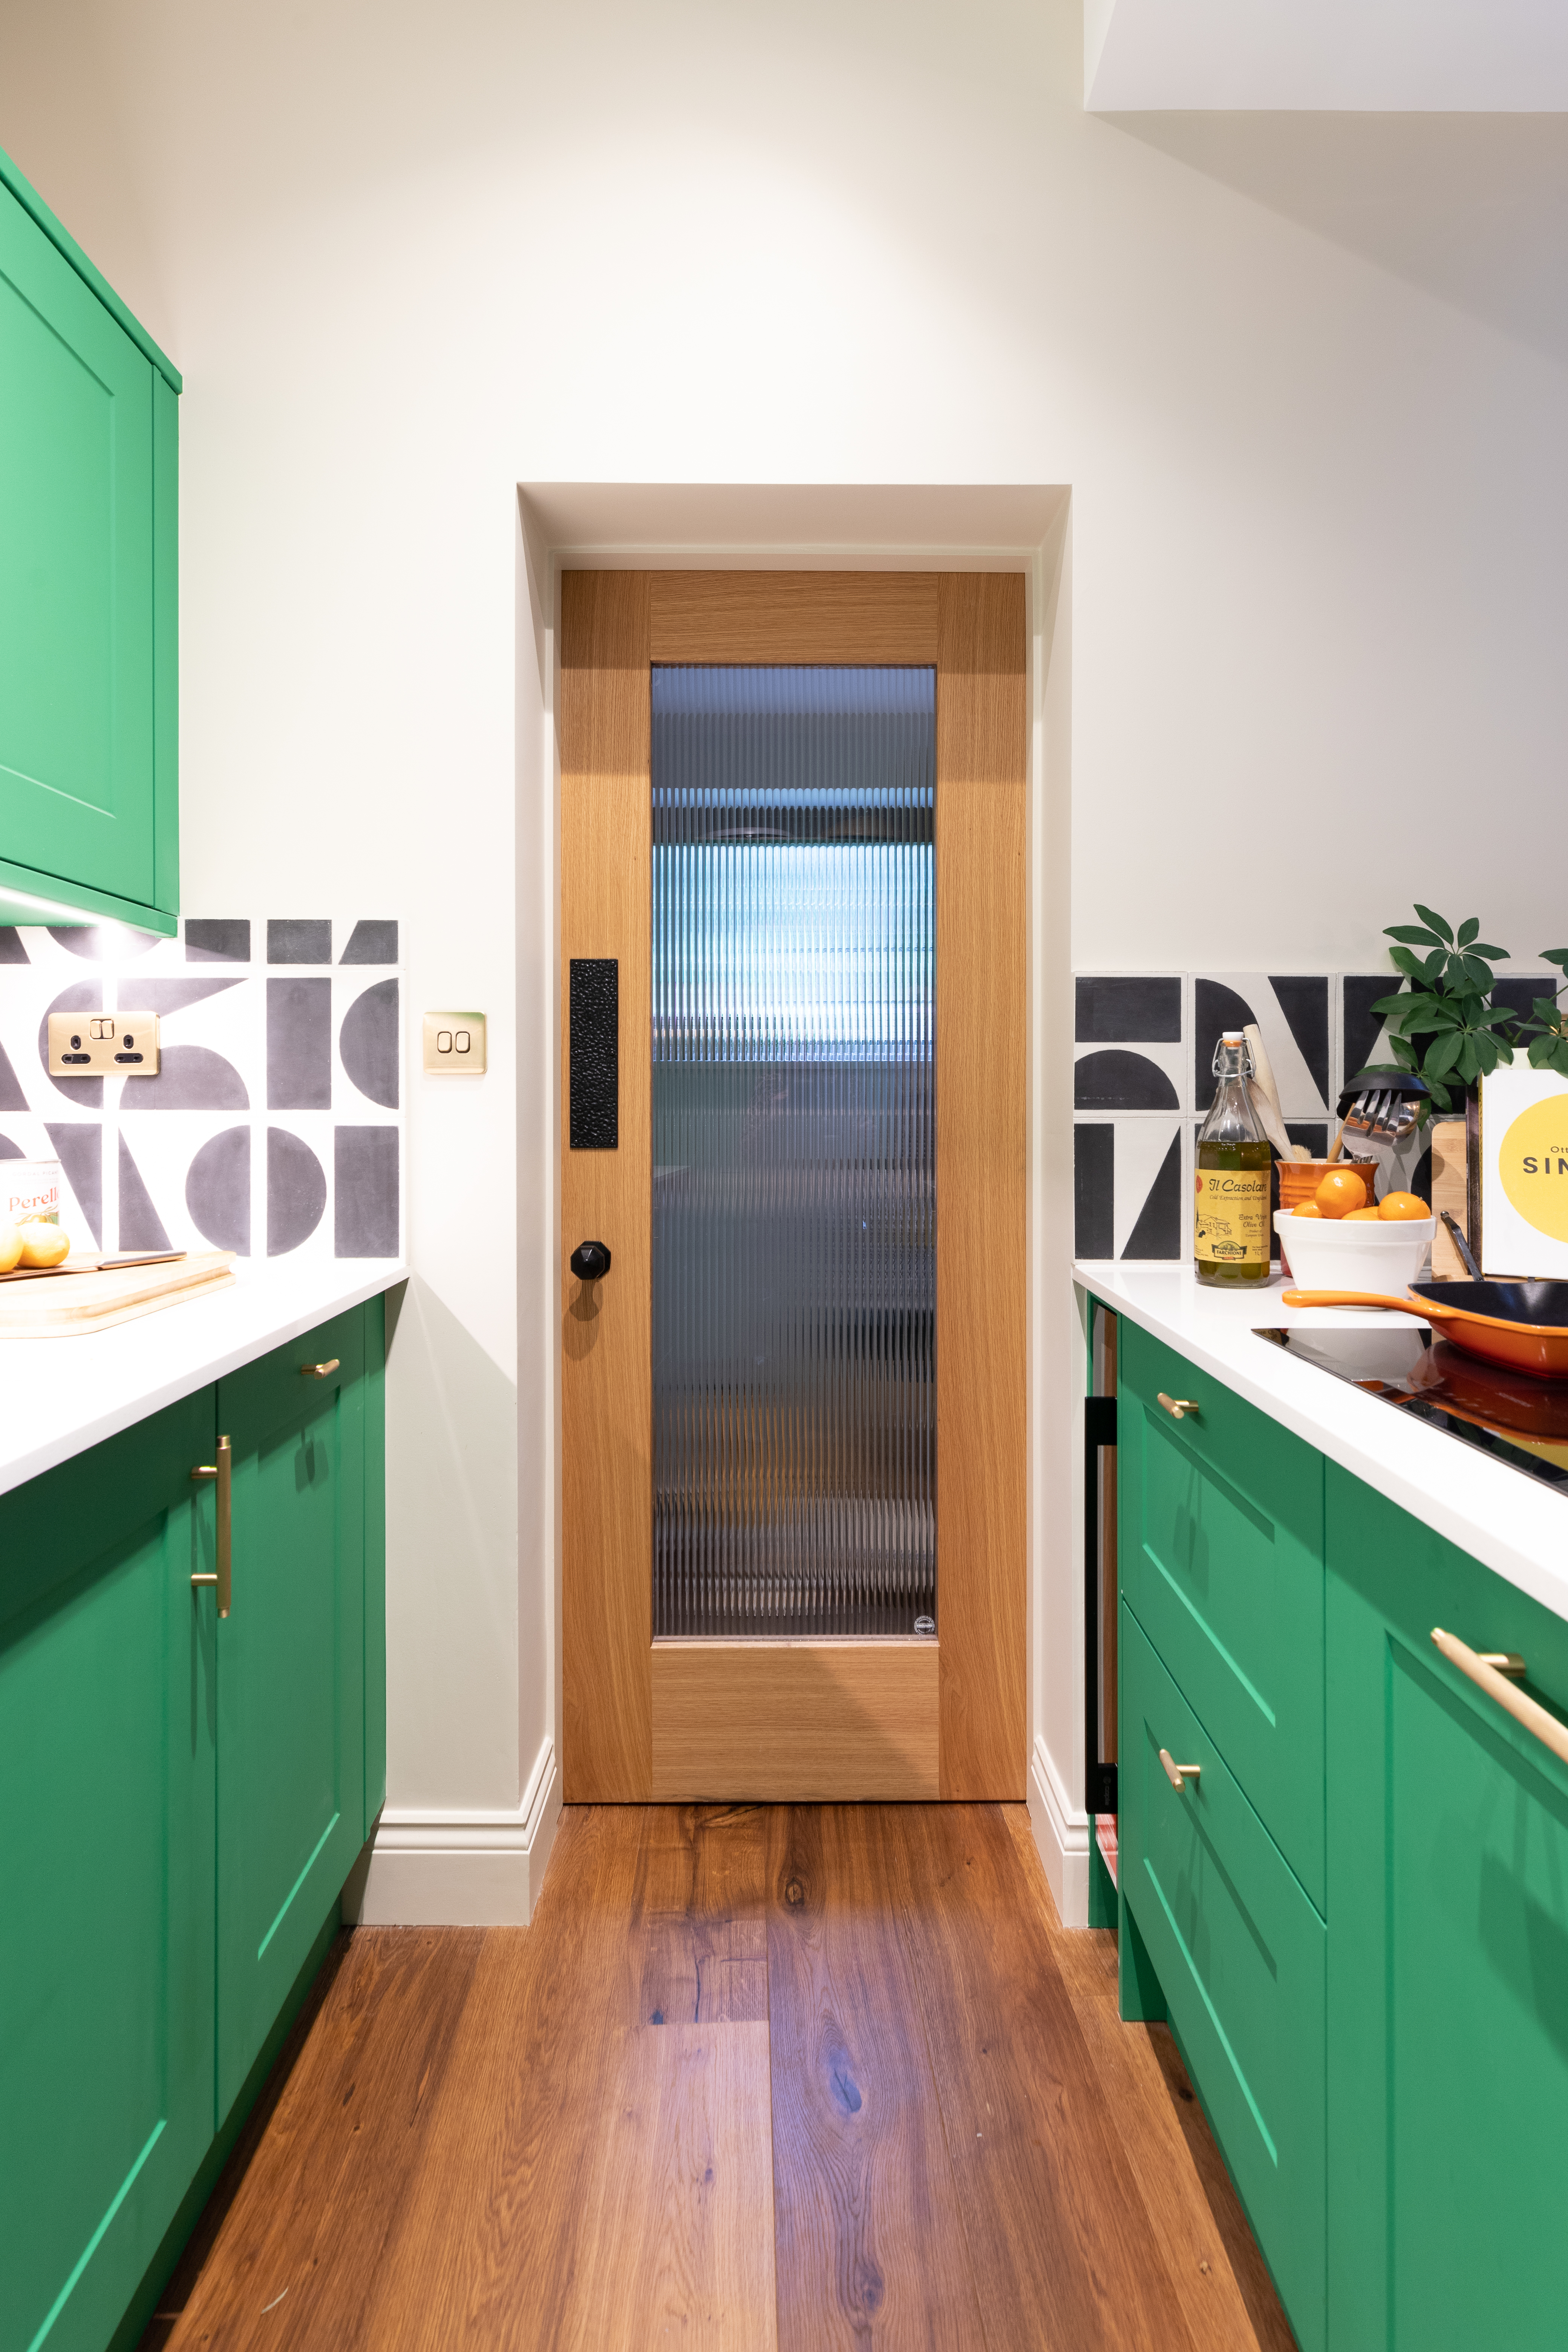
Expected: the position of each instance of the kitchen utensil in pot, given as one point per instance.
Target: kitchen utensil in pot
(1524, 1326)
(1467, 1256)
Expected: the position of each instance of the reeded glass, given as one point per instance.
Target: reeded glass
(794, 1148)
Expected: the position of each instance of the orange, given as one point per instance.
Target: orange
(1402, 1207)
(1307, 1209)
(1358, 1216)
(1341, 1191)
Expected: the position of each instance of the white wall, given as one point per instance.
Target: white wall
(409, 257)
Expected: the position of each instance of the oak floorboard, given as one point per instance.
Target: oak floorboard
(288, 2247)
(1057, 2234)
(491, 2233)
(869, 2230)
(1199, 2230)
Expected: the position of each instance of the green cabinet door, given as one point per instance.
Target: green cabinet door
(290, 1679)
(1221, 1556)
(106, 1873)
(1448, 1955)
(77, 699)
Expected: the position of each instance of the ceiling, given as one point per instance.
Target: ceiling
(1388, 56)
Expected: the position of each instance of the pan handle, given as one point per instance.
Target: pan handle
(1357, 1298)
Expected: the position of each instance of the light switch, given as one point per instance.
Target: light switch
(103, 1045)
(455, 1044)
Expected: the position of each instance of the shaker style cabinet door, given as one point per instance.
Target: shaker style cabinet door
(79, 694)
(291, 1676)
(1448, 1953)
(106, 1872)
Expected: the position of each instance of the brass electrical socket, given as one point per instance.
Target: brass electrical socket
(103, 1045)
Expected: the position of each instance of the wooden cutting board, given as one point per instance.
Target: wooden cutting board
(46, 1306)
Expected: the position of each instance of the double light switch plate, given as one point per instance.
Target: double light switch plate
(455, 1044)
(103, 1045)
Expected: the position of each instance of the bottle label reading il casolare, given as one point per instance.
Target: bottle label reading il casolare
(1231, 1216)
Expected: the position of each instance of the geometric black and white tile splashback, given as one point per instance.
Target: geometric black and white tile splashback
(1144, 1057)
(274, 1127)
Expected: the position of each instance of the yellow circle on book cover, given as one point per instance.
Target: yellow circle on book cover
(1533, 1161)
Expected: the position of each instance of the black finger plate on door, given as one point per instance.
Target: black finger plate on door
(595, 1070)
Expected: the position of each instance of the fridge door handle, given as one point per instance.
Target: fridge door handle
(1098, 1430)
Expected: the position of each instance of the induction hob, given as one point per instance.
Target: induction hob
(1517, 1420)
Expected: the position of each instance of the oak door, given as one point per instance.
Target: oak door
(792, 1714)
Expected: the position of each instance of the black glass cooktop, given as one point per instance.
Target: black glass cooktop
(1521, 1421)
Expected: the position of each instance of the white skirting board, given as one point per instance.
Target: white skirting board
(458, 1869)
(1061, 1833)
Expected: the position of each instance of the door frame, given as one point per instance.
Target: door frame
(968, 1738)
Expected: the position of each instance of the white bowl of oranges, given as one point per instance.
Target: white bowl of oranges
(1342, 1240)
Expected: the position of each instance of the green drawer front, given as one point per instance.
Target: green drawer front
(1240, 1956)
(1222, 1559)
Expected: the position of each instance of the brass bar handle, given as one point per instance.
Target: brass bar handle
(222, 1471)
(1485, 1676)
(320, 1371)
(1178, 1407)
(1177, 1774)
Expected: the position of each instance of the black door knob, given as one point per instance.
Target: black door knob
(590, 1260)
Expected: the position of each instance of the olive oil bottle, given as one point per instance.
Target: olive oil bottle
(1230, 1213)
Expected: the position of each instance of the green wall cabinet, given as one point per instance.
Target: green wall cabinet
(1448, 1960)
(183, 1798)
(89, 556)
(1367, 1971)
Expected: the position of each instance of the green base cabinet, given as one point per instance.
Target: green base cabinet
(291, 1673)
(88, 548)
(1355, 1916)
(183, 1798)
(1448, 1958)
(1238, 1952)
(107, 1860)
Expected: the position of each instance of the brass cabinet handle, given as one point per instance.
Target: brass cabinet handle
(1177, 1407)
(223, 1471)
(1488, 1676)
(320, 1371)
(1178, 1775)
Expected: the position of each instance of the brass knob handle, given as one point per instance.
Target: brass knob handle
(222, 1471)
(1178, 1775)
(1178, 1407)
(320, 1371)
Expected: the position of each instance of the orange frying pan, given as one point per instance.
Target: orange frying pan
(1520, 1325)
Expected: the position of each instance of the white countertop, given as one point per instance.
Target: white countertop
(1513, 1522)
(60, 1395)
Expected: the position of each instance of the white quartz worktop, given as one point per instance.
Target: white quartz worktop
(1513, 1522)
(60, 1395)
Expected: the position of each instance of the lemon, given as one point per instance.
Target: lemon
(44, 1245)
(10, 1247)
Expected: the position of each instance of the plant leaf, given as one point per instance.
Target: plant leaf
(1389, 1005)
(1493, 955)
(1434, 964)
(1443, 1056)
(1413, 933)
(1542, 1053)
(1559, 956)
(1440, 1094)
(1408, 962)
(1435, 922)
(1477, 974)
(1404, 1052)
(1469, 1065)
(1468, 930)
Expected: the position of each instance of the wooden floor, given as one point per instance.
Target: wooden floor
(808, 2076)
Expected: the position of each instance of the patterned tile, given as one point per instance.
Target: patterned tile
(274, 1127)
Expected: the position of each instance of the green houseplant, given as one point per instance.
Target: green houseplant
(1445, 1028)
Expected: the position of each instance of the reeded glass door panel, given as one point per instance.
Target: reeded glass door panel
(794, 1148)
